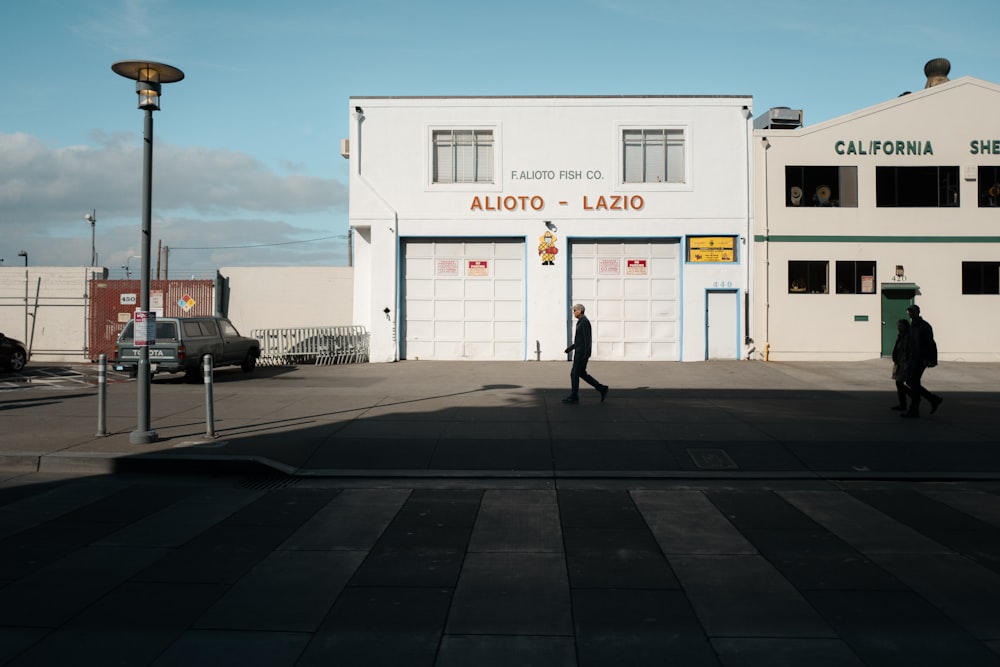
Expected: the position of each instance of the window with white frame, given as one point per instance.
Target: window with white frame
(653, 155)
(463, 156)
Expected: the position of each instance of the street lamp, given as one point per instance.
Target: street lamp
(92, 219)
(148, 77)
(128, 270)
(21, 253)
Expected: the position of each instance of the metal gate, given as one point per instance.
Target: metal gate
(318, 345)
(113, 302)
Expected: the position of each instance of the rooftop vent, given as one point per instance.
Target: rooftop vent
(936, 72)
(779, 118)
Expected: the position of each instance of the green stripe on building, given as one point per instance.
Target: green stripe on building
(763, 238)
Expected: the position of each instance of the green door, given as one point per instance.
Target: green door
(895, 298)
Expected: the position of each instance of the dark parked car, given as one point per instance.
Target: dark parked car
(13, 354)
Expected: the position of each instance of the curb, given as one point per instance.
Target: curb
(107, 463)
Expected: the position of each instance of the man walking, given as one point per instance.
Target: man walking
(582, 342)
(921, 353)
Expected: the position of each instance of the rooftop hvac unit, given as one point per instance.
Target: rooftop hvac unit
(779, 118)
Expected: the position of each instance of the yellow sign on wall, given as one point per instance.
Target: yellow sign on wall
(711, 249)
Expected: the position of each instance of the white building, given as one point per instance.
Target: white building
(479, 221)
(859, 216)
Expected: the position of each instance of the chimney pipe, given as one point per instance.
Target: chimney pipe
(936, 72)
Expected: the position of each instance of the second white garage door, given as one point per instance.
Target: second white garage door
(630, 289)
(463, 300)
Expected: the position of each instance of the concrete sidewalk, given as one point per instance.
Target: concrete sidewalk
(489, 419)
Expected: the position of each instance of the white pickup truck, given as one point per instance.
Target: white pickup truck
(181, 342)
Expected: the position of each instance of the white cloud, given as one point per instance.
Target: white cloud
(201, 197)
(43, 184)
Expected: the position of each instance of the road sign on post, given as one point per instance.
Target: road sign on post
(145, 328)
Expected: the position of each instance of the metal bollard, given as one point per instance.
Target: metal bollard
(206, 367)
(102, 395)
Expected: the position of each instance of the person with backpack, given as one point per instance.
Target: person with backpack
(921, 354)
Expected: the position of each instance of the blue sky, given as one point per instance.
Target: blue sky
(247, 169)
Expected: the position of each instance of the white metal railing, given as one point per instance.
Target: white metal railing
(317, 345)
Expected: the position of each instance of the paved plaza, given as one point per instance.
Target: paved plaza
(428, 513)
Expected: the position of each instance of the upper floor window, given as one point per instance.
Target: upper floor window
(821, 186)
(653, 156)
(916, 186)
(463, 156)
(989, 186)
(980, 277)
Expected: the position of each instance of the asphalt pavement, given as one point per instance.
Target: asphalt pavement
(432, 513)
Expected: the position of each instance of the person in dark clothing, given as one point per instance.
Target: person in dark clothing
(581, 347)
(920, 343)
(899, 363)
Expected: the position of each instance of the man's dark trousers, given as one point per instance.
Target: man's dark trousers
(917, 390)
(580, 371)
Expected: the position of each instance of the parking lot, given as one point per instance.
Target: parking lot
(53, 377)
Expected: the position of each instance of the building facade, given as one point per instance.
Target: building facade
(862, 215)
(479, 221)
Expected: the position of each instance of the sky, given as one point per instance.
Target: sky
(247, 168)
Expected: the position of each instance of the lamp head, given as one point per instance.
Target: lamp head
(148, 77)
(90, 218)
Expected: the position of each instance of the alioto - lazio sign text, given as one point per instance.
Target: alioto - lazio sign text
(537, 203)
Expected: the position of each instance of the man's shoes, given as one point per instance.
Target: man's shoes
(935, 402)
(605, 389)
(910, 415)
(898, 407)
(571, 399)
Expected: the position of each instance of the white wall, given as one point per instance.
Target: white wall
(56, 309)
(277, 297)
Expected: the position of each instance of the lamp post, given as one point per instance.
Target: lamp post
(128, 269)
(92, 219)
(148, 77)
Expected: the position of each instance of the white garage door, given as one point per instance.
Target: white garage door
(630, 290)
(463, 300)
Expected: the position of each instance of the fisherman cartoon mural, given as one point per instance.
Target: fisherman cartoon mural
(547, 248)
